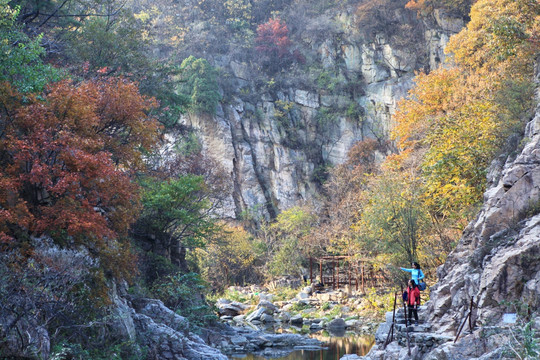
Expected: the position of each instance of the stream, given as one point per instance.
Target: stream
(336, 348)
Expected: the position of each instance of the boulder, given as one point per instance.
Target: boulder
(165, 334)
(268, 307)
(256, 315)
(284, 316)
(231, 308)
(338, 323)
(265, 318)
(297, 319)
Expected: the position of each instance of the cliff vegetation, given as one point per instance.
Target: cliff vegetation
(168, 149)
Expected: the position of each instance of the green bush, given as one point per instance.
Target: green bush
(326, 117)
(199, 83)
(327, 81)
(22, 64)
(183, 293)
(299, 306)
(285, 293)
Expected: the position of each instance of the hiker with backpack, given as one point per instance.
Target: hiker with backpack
(416, 275)
(413, 301)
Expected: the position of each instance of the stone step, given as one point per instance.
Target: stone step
(400, 310)
(413, 328)
(425, 338)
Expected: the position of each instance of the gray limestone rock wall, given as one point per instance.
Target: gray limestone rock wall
(275, 139)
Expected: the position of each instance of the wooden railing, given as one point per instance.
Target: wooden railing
(468, 316)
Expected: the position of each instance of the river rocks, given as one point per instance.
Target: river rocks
(239, 340)
(297, 320)
(230, 308)
(268, 307)
(260, 343)
(337, 324)
(256, 315)
(284, 316)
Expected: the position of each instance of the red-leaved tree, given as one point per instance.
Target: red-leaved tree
(273, 44)
(65, 165)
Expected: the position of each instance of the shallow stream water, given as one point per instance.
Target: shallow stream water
(336, 348)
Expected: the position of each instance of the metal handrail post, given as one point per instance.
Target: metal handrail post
(390, 336)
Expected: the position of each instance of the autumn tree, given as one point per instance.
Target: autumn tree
(273, 44)
(239, 13)
(345, 199)
(66, 161)
(425, 7)
(232, 257)
(457, 117)
(286, 242)
(394, 221)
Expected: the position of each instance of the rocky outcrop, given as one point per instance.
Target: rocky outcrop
(275, 139)
(165, 334)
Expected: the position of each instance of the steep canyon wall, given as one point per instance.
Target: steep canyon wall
(276, 139)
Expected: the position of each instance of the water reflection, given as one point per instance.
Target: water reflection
(336, 348)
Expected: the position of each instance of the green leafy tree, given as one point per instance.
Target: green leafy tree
(111, 43)
(395, 220)
(287, 242)
(21, 58)
(199, 84)
(176, 215)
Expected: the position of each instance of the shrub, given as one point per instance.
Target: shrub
(199, 84)
(183, 293)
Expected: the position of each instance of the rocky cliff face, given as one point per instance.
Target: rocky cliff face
(497, 260)
(276, 139)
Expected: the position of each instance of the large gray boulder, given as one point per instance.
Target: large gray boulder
(166, 334)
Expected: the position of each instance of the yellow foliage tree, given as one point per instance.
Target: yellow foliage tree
(229, 258)
(458, 118)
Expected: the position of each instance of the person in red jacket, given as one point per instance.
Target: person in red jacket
(413, 301)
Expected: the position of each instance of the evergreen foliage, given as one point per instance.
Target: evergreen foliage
(199, 84)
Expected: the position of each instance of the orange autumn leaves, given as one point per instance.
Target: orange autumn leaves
(66, 161)
(457, 118)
